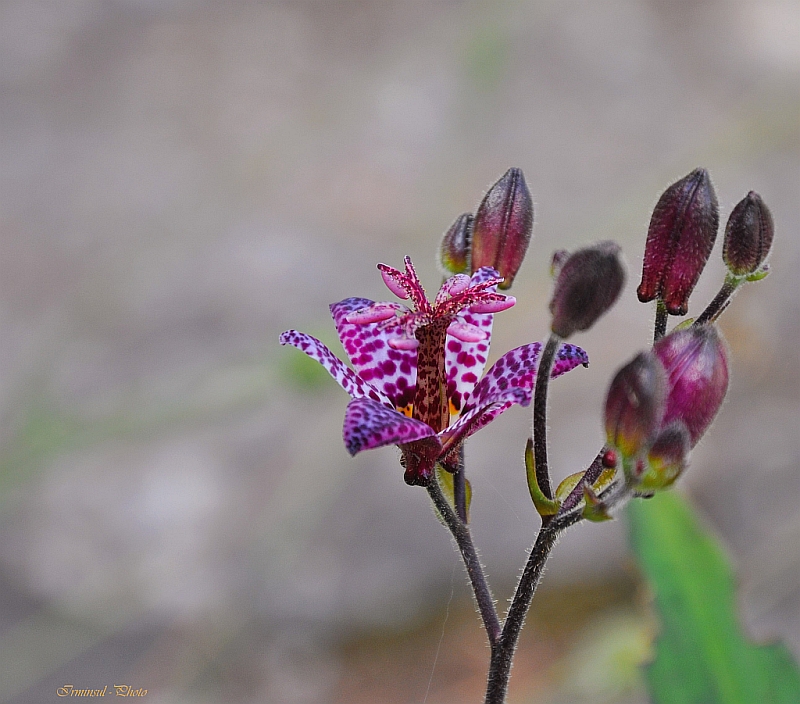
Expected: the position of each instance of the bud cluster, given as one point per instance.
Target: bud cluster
(497, 236)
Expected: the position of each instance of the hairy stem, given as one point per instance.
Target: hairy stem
(720, 301)
(660, 327)
(591, 475)
(460, 487)
(463, 538)
(540, 415)
(503, 649)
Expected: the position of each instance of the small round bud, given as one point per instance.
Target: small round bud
(609, 459)
(503, 227)
(679, 241)
(748, 236)
(635, 404)
(696, 364)
(455, 246)
(588, 284)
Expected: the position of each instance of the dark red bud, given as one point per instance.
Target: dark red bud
(454, 250)
(609, 459)
(748, 235)
(679, 241)
(503, 227)
(696, 364)
(635, 404)
(588, 284)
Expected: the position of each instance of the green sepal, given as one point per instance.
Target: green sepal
(758, 275)
(446, 482)
(684, 324)
(594, 510)
(545, 506)
(569, 483)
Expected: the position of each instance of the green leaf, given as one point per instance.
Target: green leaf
(702, 653)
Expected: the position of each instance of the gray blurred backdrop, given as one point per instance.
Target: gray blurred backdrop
(181, 180)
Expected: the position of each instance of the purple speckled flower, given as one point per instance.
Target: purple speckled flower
(696, 364)
(417, 370)
(679, 241)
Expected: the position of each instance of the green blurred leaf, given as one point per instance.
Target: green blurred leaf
(702, 654)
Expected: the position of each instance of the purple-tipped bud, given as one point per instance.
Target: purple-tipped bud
(503, 227)
(455, 246)
(696, 364)
(666, 459)
(635, 404)
(588, 284)
(748, 235)
(679, 241)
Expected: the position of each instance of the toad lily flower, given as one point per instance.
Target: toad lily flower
(415, 382)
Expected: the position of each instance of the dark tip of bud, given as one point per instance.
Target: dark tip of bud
(503, 227)
(635, 404)
(679, 241)
(454, 249)
(748, 235)
(696, 364)
(557, 261)
(588, 284)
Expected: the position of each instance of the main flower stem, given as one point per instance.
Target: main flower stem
(540, 415)
(503, 649)
(463, 538)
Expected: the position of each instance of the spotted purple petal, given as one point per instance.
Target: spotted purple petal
(392, 371)
(349, 380)
(464, 362)
(368, 424)
(509, 381)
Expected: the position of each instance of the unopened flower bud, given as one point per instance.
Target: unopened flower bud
(679, 241)
(455, 246)
(635, 404)
(748, 236)
(588, 284)
(666, 459)
(503, 227)
(696, 364)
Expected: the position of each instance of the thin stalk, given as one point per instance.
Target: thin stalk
(460, 487)
(591, 475)
(720, 301)
(503, 649)
(463, 538)
(540, 415)
(660, 328)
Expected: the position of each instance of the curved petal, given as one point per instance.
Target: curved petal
(509, 381)
(464, 362)
(347, 378)
(368, 424)
(392, 371)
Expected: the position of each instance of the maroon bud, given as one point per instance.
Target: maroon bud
(588, 284)
(679, 241)
(666, 459)
(635, 404)
(748, 236)
(697, 376)
(609, 459)
(454, 250)
(503, 227)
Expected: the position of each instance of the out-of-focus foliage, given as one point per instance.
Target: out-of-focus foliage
(701, 655)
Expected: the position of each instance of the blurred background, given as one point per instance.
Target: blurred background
(182, 180)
